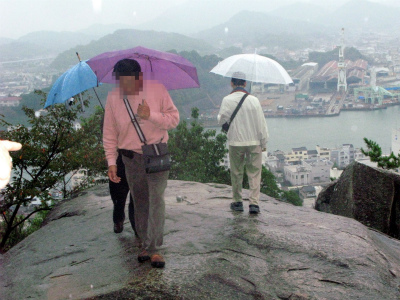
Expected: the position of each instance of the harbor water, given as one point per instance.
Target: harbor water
(350, 127)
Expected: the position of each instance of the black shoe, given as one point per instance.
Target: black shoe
(254, 209)
(143, 256)
(119, 227)
(237, 206)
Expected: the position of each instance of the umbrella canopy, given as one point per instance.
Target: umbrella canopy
(256, 68)
(74, 81)
(172, 70)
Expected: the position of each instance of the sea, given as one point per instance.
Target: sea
(350, 127)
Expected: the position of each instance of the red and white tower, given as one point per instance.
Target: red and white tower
(342, 82)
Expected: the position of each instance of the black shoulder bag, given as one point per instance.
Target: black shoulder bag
(225, 126)
(156, 156)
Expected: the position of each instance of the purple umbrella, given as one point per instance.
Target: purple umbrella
(172, 70)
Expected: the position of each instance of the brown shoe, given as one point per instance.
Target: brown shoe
(157, 261)
(143, 256)
(118, 227)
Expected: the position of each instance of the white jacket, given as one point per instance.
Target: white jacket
(249, 127)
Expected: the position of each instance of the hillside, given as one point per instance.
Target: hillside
(255, 29)
(362, 15)
(129, 38)
(40, 44)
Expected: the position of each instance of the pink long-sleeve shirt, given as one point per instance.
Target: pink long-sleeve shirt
(118, 130)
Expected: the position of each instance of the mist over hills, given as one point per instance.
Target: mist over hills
(258, 29)
(129, 38)
(100, 30)
(363, 15)
(355, 15)
(293, 26)
(41, 43)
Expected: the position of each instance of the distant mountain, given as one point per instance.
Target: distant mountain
(191, 17)
(100, 30)
(259, 29)
(51, 43)
(129, 38)
(296, 22)
(4, 41)
(301, 11)
(41, 43)
(56, 41)
(365, 15)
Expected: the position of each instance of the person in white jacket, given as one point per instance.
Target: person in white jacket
(247, 139)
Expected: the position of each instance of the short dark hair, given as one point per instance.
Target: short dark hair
(238, 82)
(127, 67)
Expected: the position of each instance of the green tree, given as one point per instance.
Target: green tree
(197, 154)
(292, 197)
(268, 184)
(374, 152)
(51, 149)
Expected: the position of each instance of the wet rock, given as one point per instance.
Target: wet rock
(286, 252)
(367, 194)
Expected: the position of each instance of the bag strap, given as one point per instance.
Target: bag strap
(237, 108)
(135, 122)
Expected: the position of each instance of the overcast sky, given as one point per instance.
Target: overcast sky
(19, 17)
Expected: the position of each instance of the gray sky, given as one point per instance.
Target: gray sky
(19, 17)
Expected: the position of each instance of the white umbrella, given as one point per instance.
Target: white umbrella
(256, 68)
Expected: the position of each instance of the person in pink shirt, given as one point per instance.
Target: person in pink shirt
(156, 113)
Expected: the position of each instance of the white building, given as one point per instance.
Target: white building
(323, 152)
(342, 156)
(297, 154)
(320, 169)
(298, 174)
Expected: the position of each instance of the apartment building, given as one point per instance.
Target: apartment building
(323, 153)
(342, 156)
(320, 169)
(298, 174)
(296, 155)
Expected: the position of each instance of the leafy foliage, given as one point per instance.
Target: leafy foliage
(268, 184)
(375, 154)
(292, 197)
(52, 148)
(197, 154)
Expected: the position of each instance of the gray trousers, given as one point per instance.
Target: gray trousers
(251, 157)
(148, 200)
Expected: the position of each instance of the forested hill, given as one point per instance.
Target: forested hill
(129, 38)
(350, 53)
(207, 97)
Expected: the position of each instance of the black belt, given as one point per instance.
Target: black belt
(127, 153)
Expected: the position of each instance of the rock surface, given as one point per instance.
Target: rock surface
(367, 194)
(286, 252)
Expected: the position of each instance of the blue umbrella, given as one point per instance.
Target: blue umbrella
(74, 81)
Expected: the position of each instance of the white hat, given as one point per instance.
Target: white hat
(239, 75)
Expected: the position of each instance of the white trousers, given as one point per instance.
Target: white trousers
(251, 158)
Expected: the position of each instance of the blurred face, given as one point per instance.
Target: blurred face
(131, 85)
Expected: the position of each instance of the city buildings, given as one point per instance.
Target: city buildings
(10, 101)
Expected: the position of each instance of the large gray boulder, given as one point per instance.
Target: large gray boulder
(286, 252)
(367, 194)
